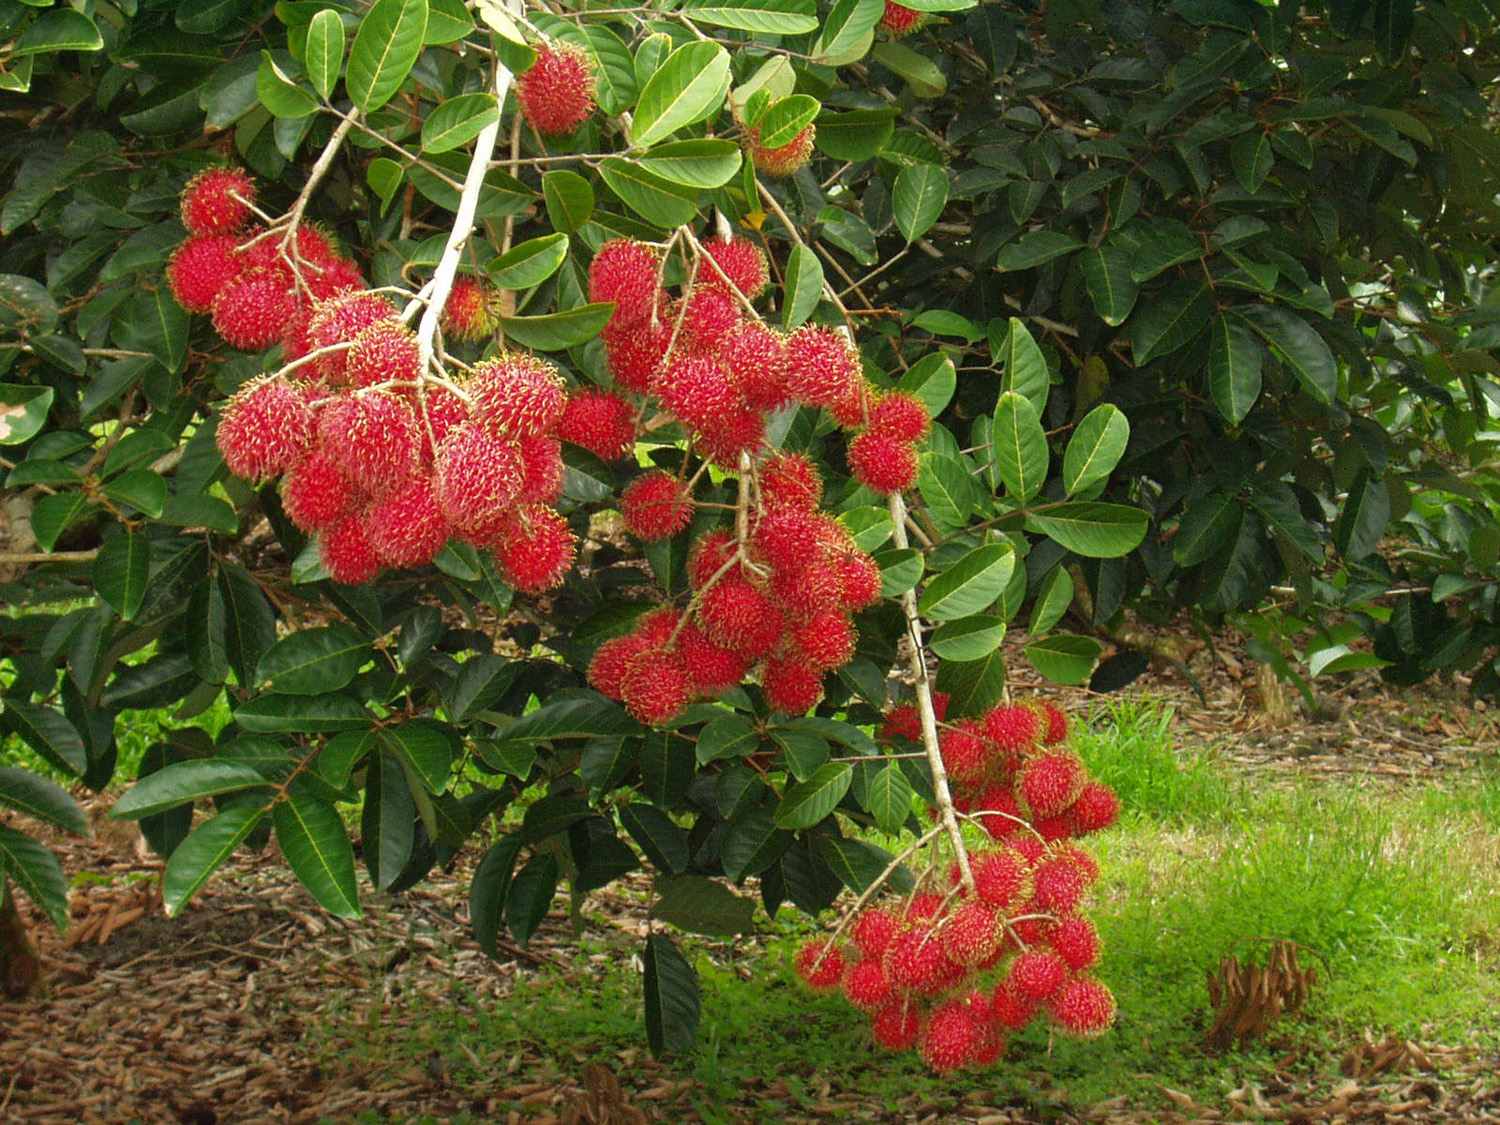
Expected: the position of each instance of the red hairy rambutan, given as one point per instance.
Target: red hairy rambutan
(1096, 809)
(445, 410)
(900, 20)
(789, 686)
(266, 428)
(1053, 828)
(251, 311)
(1057, 885)
(924, 907)
(917, 962)
(469, 311)
(872, 931)
(899, 415)
(656, 687)
(1001, 878)
(1055, 723)
(790, 480)
(656, 506)
(556, 93)
(315, 494)
(535, 546)
(294, 339)
(785, 538)
(1076, 941)
(883, 464)
(601, 422)
(406, 527)
(1036, 974)
(756, 358)
(1082, 1007)
(859, 578)
(625, 271)
(1050, 782)
(952, 1037)
(821, 366)
(964, 752)
(708, 554)
(383, 352)
(735, 614)
(712, 668)
(783, 160)
(821, 965)
(708, 315)
(697, 389)
(723, 439)
(851, 409)
(867, 987)
(347, 553)
(971, 933)
(1012, 729)
(607, 668)
(806, 594)
(209, 203)
(634, 353)
(823, 643)
(1030, 848)
(541, 471)
(658, 625)
(741, 264)
(902, 721)
(201, 268)
(373, 437)
(332, 278)
(476, 477)
(338, 320)
(1010, 1010)
(1000, 801)
(517, 395)
(896, 1026)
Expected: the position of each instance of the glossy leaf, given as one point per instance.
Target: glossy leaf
(690, 85)
(182, 783)
(458, 121)
(1106, 272)
(1293, 341)
(808, 802)
(1020, 447)
(36, 871)
(204, 851)
(1095, 448)
(569, 199)
(770, 17)
(970, 585)
(698, 905)
(1170, 319)
(920, 194)
(804, 286)
(47, 732)
(1092, 529)
(555, 332)
(529, 263)
(313, 661)
(1065, 659)
(967, 638)
(316, 847)
(888, 798)
(386, 47)
(323, 57)
(1234, 359)
(121, 570)
(41, 799)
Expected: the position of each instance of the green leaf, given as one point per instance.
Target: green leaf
(387, 822)
(23, 300)
(386, 47)
(531, 894)
(1026, 371)
(781, 123)
(1020, 447)
(848, 31)
(204, 851)
(856, 134)
(924, 76)
(698, 905)
(1052, 600)
(308, 714)
(186, 509)
(888, 798)
(323, 57)
(1106, 273)
(671, 993)
(569, 199)
(870, 527)
(858, 863)
(947, 489)
(458, 121)
(970, 585)
(1234, 359)
(804, 286)
(665, 844)
(278, 93)
(313, 661)
(47, 732)
(1170, 320)
(120, 572)
(1065, 658)
(425, 750)
(656, 199)
(900, 570)
(1364, 517)
(973, 686)
(45, 800)
(702, 163)
(60, 29)
(690, 86)
(530, 263)
(182, 783)
(23, 412)
(769, 17)
(316, 847)
(1161, 247)
(1206, 526)
(1090, 528)
(1251, 158)
(1095, 448)
(489, 889)
(555, 332)
(729, 736)
(1034, 249)
(384, 177)
(53, 515)
(572, 718)
(1293, 341)
(141, 489)
(967, 638)
(37, 872)
(807, 802)
(920, 194)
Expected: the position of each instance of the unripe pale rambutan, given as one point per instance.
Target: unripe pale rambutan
(201, 268)
(251, 311)
(783, 160)
(1082, 1007)
(517, 395)
(708, 316)
(964, 752)
(1076, 941)
(713, 668)
(823, 643)
(821, 965)
(476, 477)
(1013, 728)
(896, 1026)
(315, 493)
(790, 687)
(656, 687)
(725, 438)
(697, 389)
(756, 358)
(901, 416)
(1001, 877)
(872, 931)
(867, 987)
(741, 265)
(373, 437)
(541, 471)
(1009, 1010)
(790, 480)
(607, 668)
(883, 464)
(406, 527)
(656, 506)
(469, 311)
(972, 933)
(900, 20)
(333, 278)
(708, 554)
(601, 422)
(1036, 974)
(1057, 886)
(385, 351)
(266, 428)
(1096, 809)
(859, 578)
(625, 271)
(736, 615)
(1050, 782)
(536, 547)
(347, 553)
(952, 1038)
(821, 366)
(209, 203)
(634, 353)
(557, 93)
(1055, 722)
(338, 320)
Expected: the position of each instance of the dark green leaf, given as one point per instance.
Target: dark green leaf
(771, 17)
(808, 802)
(702, 906)
(1170, 319)
(888, 798)
(120, 572)
(555, 332)
(204, 851)
(36, 871)
(530, 263)
(1364, 517)
(323, 57)
(569, 199)
(1293, 341)
(458, 121)
(1034, 249)
(47, 732)
(301, 713)
(1020, 447)
(1064, 658)
(182, 783)
(1234, 359)
(920, 194)
(1091, 529)
(1095, 448)
(313, 661)
(968, 638)
(489, 889)
(316, 847)
(671, 990)
(422, 745)
(1106, 272)
(386, 47)
(37, 797)
(804, 286)
(530, 896)
(971, 585)
(665, 844)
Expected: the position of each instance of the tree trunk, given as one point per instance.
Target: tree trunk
(20, 971)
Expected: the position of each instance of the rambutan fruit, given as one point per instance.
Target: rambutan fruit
(541, 471)
(201, 268)
(607, 668)
(599, 421)
(965, 754)
(821, 366)
(1036, 974)
(873, 930)
(1053, 828)
(971, 933)
(785, 538)
(708, 554)
(251, 311)
(698, 389)
(1076, 941)
(902, 721)
(896, 1026)
(217, 201)
(1096, 809)
(723, 439)
(1001, 877)
(469, 311)
(634, 353)
(295, 342)
(1029, 847)
(656, 687)
(1050, 782)
(517, 395)
(445, 411)
(658, 625)
(384, 352)
(315, 493)
(406, 527)
(783, 160)
(1012, 728)
(917, 962)
(823, 643)
(899, 20)
(740, 263)
(821, 965)
(1082, 1007)
(1054, 722)
(536, 548)
(790, 480)
(790, 687)
(713, 668)
(267, 427)
(735, 614)
(347, 553)
(556, 93)
(338, 320)
(1057, 886)
(867, 987)
(859, 579)
(656, 506)
(333, 278)
(901, 416)
(373, 437)
(708, 316)
(1009, 1009)
(1005, 812)
(476, 477)
(808, 593)
(756, 358)
(625, 271)
(1087, 865)
(925, 907)
(883, 464)
(952, 1038)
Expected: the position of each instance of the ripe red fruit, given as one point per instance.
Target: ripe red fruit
(1001, 878)
(902, 721)
(741, 264)
(708, 555)
(859, 579)
(656, 506)
(924, 907)
(625, 271)
(824, 642)
(347, 553)
(850, 410)
(517, 395)
(295, 342)
(601, 422)
(821, 366)
(373, 437)
(251, 311)
(917, 962)
(1010, 1010)
(385, 351)
(1058, 885)
(972, 933)
(1055, 723)
(698, 389)
(1076, 941)
(1082, 1007)
(784, 159)
(756, 358)
(806, 594)
(1005, 812)
(708, 315)
(821, 965)
(872, 932)
(790, 687)
(883, 464)
(965, 755)
(200, 268)
(536, 547)
(557, 93)
(476, 477)
(712, 668)
(1013, 729)
(445, 411)
(900, 20)
(541, 471)
(723, 439)
(867, 987)
(790, 480)
(1029, 847)
(952, 1037)
(1037, 974)
(1096, 809)
(217, 201)
(406, 527)
(338, 320)
(1050, 782)
(656, 687)
(634, 353)
(332, 278)
(896, 1026)
(266, 429)
(469, 312)
(315, 494)
(607, 668)
(735, 614)
(785, 537)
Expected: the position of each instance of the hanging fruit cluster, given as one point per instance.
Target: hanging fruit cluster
(955, 973)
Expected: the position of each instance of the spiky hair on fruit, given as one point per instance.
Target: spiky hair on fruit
(698, 389)
(821, 366)
(952, 1038)
(347, 553)
(251, 311)
(1036, 974)
(541, 471)
(1001, 877)
(708, 316)
(1076, 941)
(790, 480)
(735, 614)
(607, 667)
(556, 94)
(900, 21)
(1096, 809)
(469, 311)
(338, 320)
(783, 160)
(1082, 1007)
(599, 421)
(536, 547)
(708, 555)
(714, 669)
(476, 477)
(964, 752)
(1055, 723)
(373, 437)
(655, 686)
(740, 430)
(406, 526)
(873, 930)
(918, 963)
(1009, 1009)
(1058, 885)
(1013, 728)
(823, 643)
(756, 358)
(217, 201)
(859, 578)
(315, 493)
(897, 1026)
(201, 268)
(267, 427)
(883, 464)
(517, 395)
(740, 263)
(971, 933)
(656, 506)
(821, 965)
(790, 687)
(900, 415)
(1050, 782)
(625, 271)
(386, 351)
(332, 278)
(868, 987)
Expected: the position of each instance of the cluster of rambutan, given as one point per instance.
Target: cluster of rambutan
(954, 974)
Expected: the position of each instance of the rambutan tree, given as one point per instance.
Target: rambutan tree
(655, 418)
